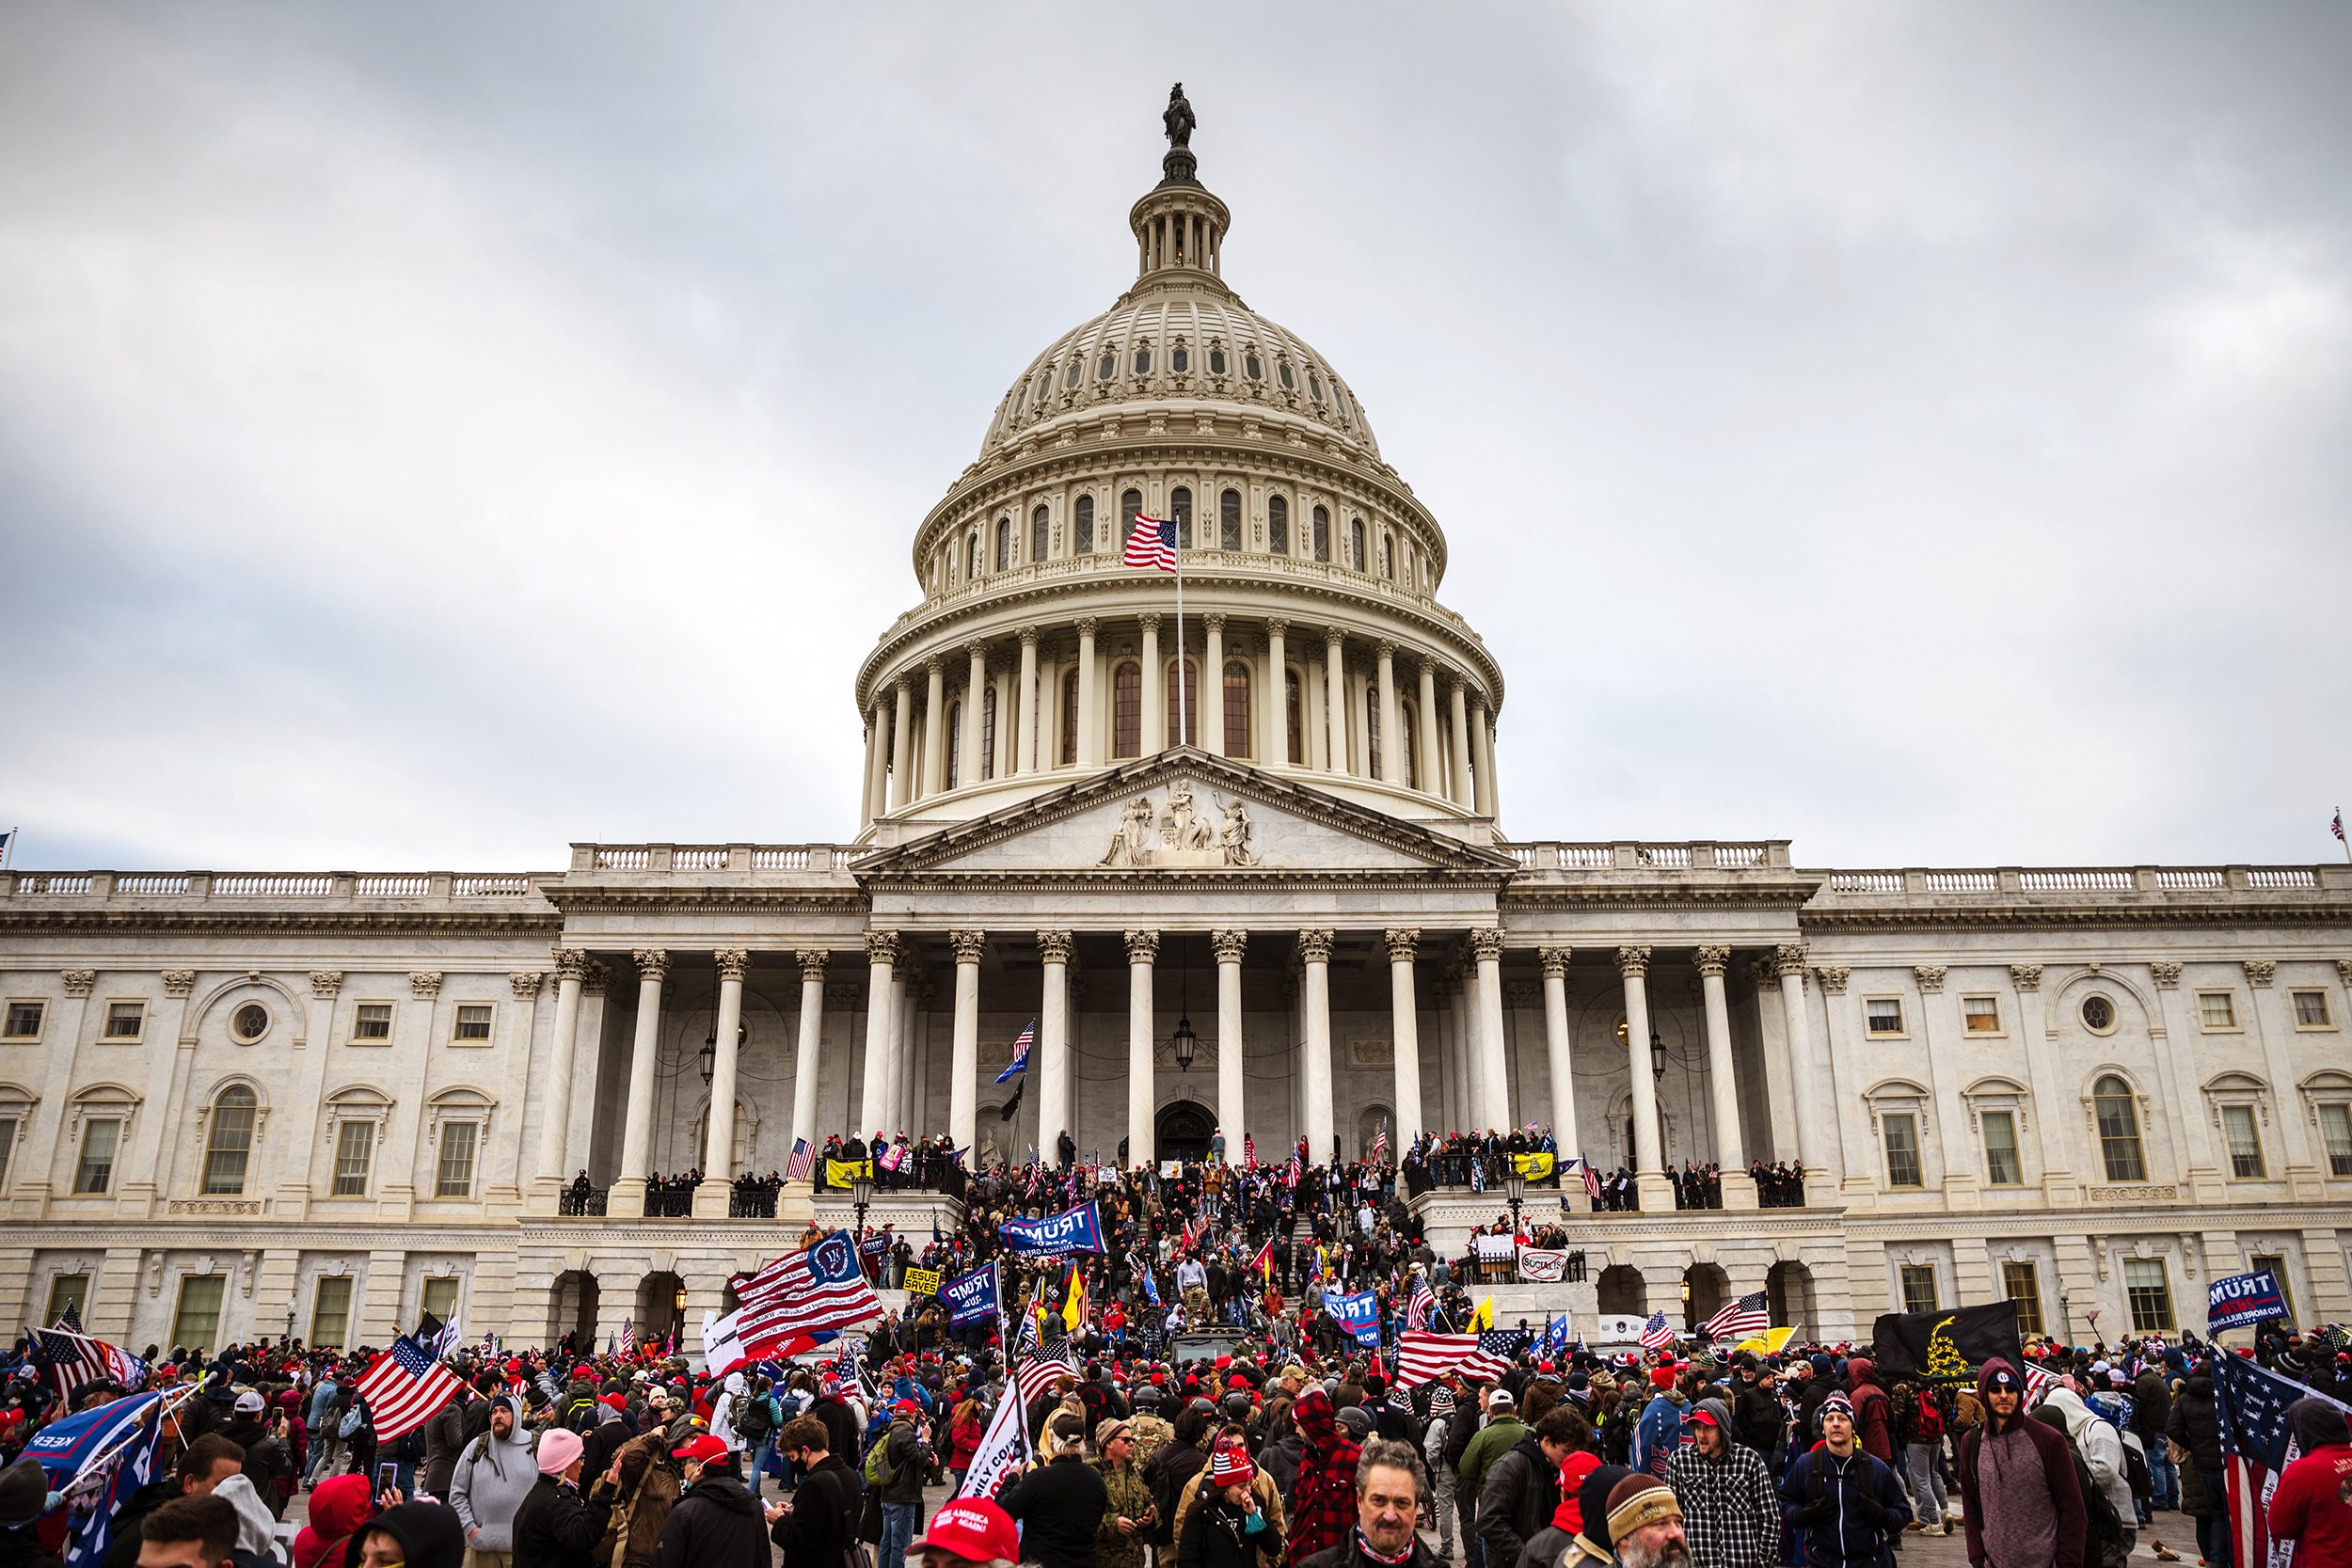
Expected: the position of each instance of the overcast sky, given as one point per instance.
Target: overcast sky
(433, 434)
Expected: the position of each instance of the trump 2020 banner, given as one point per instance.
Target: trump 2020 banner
(970, 1297)
(1078, 1229)
(1359, 1314)
(2244, 1301)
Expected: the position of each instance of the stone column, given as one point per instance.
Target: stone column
(975, 684)
(1209, 724)
(1315, 952)
(36, 1158)
(1404, 1035)
(1155, 736)
(1649, 1158)
(1275, 710)
(902, 748)
(1427, 751)
(934, 727)
(628, 1192)
(1457, 718)
(963, 1085)
(1142, 947)
(1947, 1157)
(1089, 751)
(1392, 729)
(1560, 1053)
(1730, 1148)
(1487, 948)
(555, 1115)
(1024, 701)
(1808, 1085)
(1335, 696)
(882, 962)
(1230, 946)
(711, 1199)
(1052, 1042)
(1471, 1078)
(1482, 740)
(811, 1034)
(2179, 1054)
(898, 1060)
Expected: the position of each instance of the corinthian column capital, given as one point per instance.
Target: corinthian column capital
(969, 946)
(1555, 961)
(733, 964)
(1142, 947)
(1054, 948)
(1314, 946)
(1403, 941)
(1632, 961)
(882, 947)
(1712, 960)
(1230, 946)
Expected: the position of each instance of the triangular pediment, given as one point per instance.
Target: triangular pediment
(1186, 813)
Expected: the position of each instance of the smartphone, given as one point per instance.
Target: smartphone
(386, 1475)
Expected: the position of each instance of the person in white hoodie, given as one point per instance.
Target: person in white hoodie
(494, 1474)
(2102, 1450)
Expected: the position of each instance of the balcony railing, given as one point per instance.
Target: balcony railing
(663, 860)
(2014, 881)
(583, 1201)
(1626, 854)
(498, 887)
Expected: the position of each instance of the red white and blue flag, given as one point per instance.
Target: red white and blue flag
(1421, 1357)
(1422, 1302)
(802, 1160)
(2337, 827)
(75, 1358)
(1379, 1149)
(404, 1387)
(1740, 1318)
(1021, 1044)
(1655, 1334)
(803, 1293)
(2257, 1445)
(98, 1459)
(1152, 543)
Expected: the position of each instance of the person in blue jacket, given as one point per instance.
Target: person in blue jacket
(1660, 1431)
(1844, 1503)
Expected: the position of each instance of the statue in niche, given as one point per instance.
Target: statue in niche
(1233, 838)
(1180, 829)
(990, 1154)
(1131, 845)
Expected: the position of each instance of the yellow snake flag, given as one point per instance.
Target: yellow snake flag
(1535, 1167)
(1074, 1312)
(1484, 1317)
(1766, 1344)
(838, 1173)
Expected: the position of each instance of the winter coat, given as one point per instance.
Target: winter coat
(716, 1524)
(1169, 1468)
(2100, 1447)
(1872, 1410)
(2195, 1424)
(557, 1527)
(822, 1526)
(1262, 1486)
(1059, 1505)
(2058, 1479)
(1756, 1418)
(1832, 1502)
(909, 1461)
(489, 1482)
(1322, 1511)
(1129, 1498)
(1660, 1431)
(641, 1503)
(1521, 1490)
(339, 1506)
(1344, 1555)
(444, 1438)
(1495, 1439)
(1218, 1535)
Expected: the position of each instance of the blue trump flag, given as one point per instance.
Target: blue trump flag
(2243, 1301)
(1078, 1229)
(970, 1296)
(1359, 1314)
(99, 1458)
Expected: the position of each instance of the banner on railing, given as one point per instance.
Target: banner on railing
(922, 1282)
(1078, 1229)
(1542, 1266)
(840, 1173)
(1494, 1250)
(1537, 1166)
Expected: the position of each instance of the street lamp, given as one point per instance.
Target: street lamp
(1184, 1041)
(1658, 1058)
(2066, 1318)
(289, 1317)
(1515, 1188)
(861, 1193)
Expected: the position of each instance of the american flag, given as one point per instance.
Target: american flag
(1021, 1044)
(1298, 1165)
(2038, 1386)
(404, 1387)
(1740, 1318)
(1152, 543)
(805, 1293)
(2256, 1445)
(1422, 1356)
(1505, 1342)
(75, 1358)
(2336, 827)
(800, 1162)
(1038, 1374)
(846, 1368)
(1379, 1149)
(1418, 1306)
(1655, 1334)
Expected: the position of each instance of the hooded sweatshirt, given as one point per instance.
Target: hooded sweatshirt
(337, 1508)
(427, 1532)
(2100, 1446)
(1872, 1409)
(2309, 1506)
(491, 1479)
(2024, 1507)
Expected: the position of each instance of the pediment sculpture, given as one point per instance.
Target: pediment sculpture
(1181, 835)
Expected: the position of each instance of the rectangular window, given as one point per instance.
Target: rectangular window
(1884, 1015)
(354, 1151)
(2023, 1282)
(2216, 1010)
(330, 1312)
(8, 1148)
(2310, 1010)
(2246, 1144)
(454, 1176)
(1981, 1015)
(25, 1020)
(2335, 1129)
(2149, 1295)
(95, 1171)
(1918, 1287)
(2002, 1168)
(373, 1022)
(441, 1297)
(474, 1020)
(1902, 1150)
(197, 1322)
(69, 1292)
(124, 1020)
(2278, 1267)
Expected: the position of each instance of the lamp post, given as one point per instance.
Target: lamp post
(2066, 1317)
(289, 1317)
(861, 1193)
(1658, 1100)
(1514, 1188)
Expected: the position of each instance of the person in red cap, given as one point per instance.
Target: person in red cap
(969, 1533)
(716, 1524)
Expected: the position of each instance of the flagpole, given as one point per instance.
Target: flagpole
(1180, 618)
(1183, 724)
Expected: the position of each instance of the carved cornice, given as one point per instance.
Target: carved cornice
(300, 923)
(2121, 911)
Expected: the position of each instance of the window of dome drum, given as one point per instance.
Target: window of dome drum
(252, 1022)
(1081, 526)
(1069, 718)
(1250, 367)
(1278, 526)
(1021, 399)
(1040, 534)
(1237, 709)
(1044, 385)
(2098, 1014)
(1107, 366)
(988, 733)
(1282, 374)
(1187, 686)
(1228, 520)
(1127, 710)
(1069, 376)
(1356, 543)
(1315, 386)
(1180, 508)
(1179, 361)
(1130, 507)
(1143, 360)
(1216, 361)
(1323, 535)
(1004, 543)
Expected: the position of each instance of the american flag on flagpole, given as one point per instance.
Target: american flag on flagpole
(1379, 1149)
(805, 1293)
(1150, 543)
(404, 1387)
(2257, 1444)
(2336, 827)
(75, 1358)
(1422, 1302)
(1021, 1044)
(1655, 1334)
(1740, 1318)
(800, 1162)
(1038, 1374)
(1421, 1357)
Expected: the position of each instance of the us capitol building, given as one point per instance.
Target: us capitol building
(234, 1103)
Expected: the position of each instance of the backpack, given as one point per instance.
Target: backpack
(879, 1471)
(2136, 1474)
(1927, 1419)
(754, 1416)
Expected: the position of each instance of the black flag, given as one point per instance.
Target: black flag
(1011, 1108)
(1945, 1346)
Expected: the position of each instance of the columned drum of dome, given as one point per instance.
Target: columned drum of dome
(1312, 626)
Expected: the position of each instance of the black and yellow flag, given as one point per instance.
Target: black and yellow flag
(1945, 1346)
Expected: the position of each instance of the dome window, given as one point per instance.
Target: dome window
(1044, 385)
(1107, 366)
(1180, 509)
(1322, 533)
(1314, 385)
(1021, 399)
(1228, 520)
(1081, 526)
(1250, 367)
(1069, 376)
(1004, 544)
(1040, 534)
(1180, 359)
(1356, 543)
(1143, 358)
(1216, 361)
(1282, 374)
(1278, 524)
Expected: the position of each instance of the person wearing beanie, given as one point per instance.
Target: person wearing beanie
(1227, 1524)
(1658, 1431)
(1730, 1514)
(1847, 1503)
(1127, 1519)
(23, 1499)
(2024, 1501)
(556, 1527)
(717, 1522)
(1645, 1524)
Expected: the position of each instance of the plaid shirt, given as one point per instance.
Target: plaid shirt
(1322, 1508)
(1730, 1514)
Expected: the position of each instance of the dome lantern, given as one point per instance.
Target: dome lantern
(1179, 227)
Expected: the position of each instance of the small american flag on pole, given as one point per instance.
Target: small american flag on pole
(1150, 543)
(1379, 1149)
(802, 1160)
(1740, 1318)
(1421, 1357)
(1422, 1302)
(1021, 1044)
(404, 1387)
(1655, 1334)
(1036, 1375)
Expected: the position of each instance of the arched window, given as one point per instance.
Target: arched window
(1187, 686)
(1388, 558)
(1040, 535)
(1293, 727)
(1372, 729)
(1356, 543)
(1130, 507)
(1069, 376)
(2118, 1114)
(1180, 359)
(1179, 512)
(1143, 358)
(1404, 743)
(1127, 710)
(1322, 533)
(1004, 544)
(972, 557)
(988, 732)
(1228, 520)
(1081, 526)
(955, 740)
(1107, 366)
(1278, 526)
(1236, 709)
(1216, 360)
(1069, 718)
(229, 1141)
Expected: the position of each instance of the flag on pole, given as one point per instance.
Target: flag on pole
(1036, 1375)
(75, 1358)
(1655, 1334)
(2257, 1443)
(2336, 827)
(404, 1387)
(1420, 1357)
(1074, 1309)
(1379, 1149)
(1021, 1044)
(801, 1160)
(1152, 543)
(98, 1458)
(1483, 1315)
(814, 1292)
(1263, 1264)
(1742, 1316)
(1005, 1444)
(1422, 1302)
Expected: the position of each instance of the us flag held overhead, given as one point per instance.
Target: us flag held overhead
(1422, 1356)
(75, 1358)
(1740, 1318)
(1655, 1334)
(817, 1292)
(1152, 543)
(404, 1387)
(1422, 1302)
(2257, 1444)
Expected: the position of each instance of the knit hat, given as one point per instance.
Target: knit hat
(1638, 1500)
(1662, 1378)
(24, 1493)
(557, 1449)
(1592, 1497)
(1229, 1464)
(1442, 1402)
(1837, 1405)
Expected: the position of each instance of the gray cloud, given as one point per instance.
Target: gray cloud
(430, 437)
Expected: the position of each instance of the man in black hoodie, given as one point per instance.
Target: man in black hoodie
(2195, 1424)
(716, 1522)
(819, 1523)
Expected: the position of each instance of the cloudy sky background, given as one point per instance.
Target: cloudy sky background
(433, 434)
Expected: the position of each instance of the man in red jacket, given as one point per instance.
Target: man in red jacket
(2309, 1506)
(1872, 1429)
